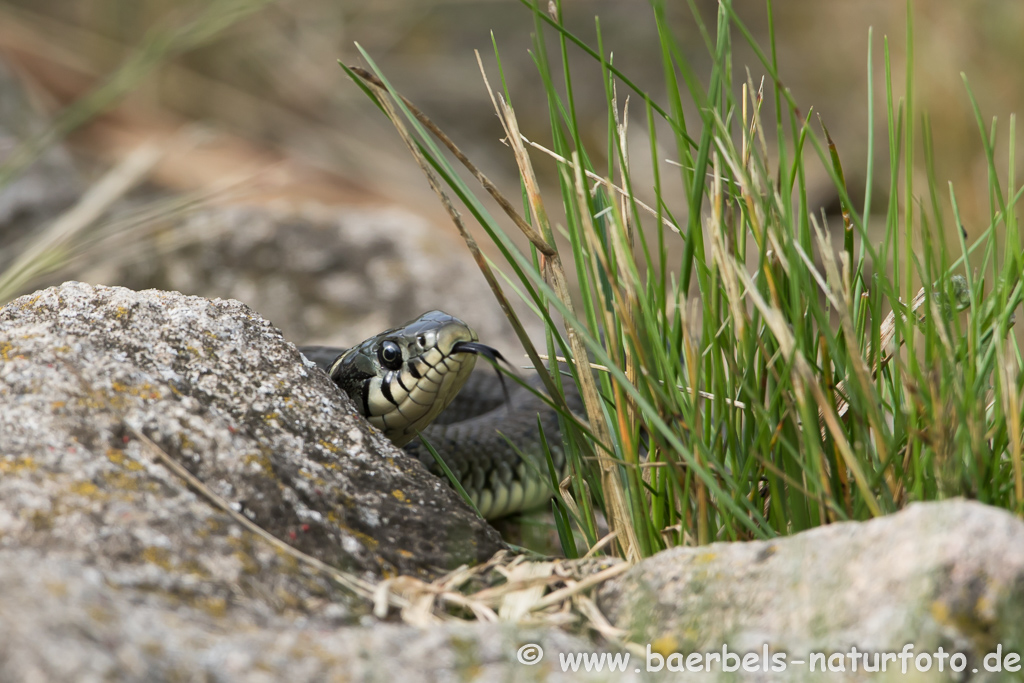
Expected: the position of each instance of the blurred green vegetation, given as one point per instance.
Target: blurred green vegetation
(272, 77)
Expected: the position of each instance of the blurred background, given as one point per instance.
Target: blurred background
(252, 168)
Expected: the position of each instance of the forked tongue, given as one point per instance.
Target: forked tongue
(490, 353)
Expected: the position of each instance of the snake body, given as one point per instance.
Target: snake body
(419, 379)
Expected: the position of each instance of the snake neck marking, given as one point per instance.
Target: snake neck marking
(401, 379)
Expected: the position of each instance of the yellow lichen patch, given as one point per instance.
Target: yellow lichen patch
(213, 527)
(57, 589)
(180, 565)
(89, 401)
(245, 553)
(10, 465)
(984, 605)
(287, 599)
(327, 445)
(149, 391)
(249, 564)
(367, 540)
(397, 493)
(214, 605)
(121, 312)
(665, 645)
(86, 489)
(467, 657)
(117, 456)
(406, 553)
(101, 614)
(145, 390)
(259, 461)
(289, 563)
(123, 484)
(161, 557)
(152, 648)
(312, 478)
(974, 620)
(5, 350)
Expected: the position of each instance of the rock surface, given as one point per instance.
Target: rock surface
(323, 274)
(66, 621)
(87, 369)
(947, 575)
(113, 568)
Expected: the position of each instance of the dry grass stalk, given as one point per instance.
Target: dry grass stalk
(522, 598)
(384, 99)
(506, 206)
(554, 275)
(46, 251)
(615, 499)
(517, 604)
(625, 194)
(354, 584)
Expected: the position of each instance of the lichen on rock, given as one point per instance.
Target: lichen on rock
(88, 369)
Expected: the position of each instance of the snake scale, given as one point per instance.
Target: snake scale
(419, 379)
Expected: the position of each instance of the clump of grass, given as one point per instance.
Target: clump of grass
(769, 380)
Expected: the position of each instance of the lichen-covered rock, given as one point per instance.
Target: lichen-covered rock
(112, 568)
(944, 575)
(87, 369)
(68, 620)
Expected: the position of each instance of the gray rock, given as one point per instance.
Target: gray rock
(111, 568)
(85, 369)
(322, 274)
(66, 620)
(947, 575)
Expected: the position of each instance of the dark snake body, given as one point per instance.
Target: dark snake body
(469, 434)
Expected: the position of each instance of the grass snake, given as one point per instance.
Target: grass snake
(419, 379)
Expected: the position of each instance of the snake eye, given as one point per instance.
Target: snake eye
(390, 355)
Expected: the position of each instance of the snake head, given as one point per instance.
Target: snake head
(401, 379)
